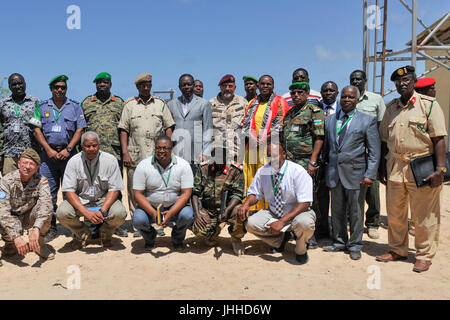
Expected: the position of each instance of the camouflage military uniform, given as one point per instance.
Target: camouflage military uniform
(301, 126)
(227, 120)
(103, 118)
(23, 207)
(210, 187)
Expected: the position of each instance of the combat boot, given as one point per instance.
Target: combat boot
(106, 237)
(214, 240)
(238, 246)
(9, 249)
(77, 243)
(43, 250)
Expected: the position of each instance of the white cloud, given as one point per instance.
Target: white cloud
(324, 54)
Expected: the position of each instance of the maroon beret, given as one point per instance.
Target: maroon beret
(227, 78)
(425, 82)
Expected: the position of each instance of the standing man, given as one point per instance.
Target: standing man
(198, 88)
(413, 126)
(59, 124)
(301, 75)
(92, 183)
(227, 113)
(102, 112)
(372, 104)
(25, 203)
(353, 146)
(264, 115)
(165, 181)
(193, 122)
(250, 87)
(215, 182)
(15, 114)
(426, 86)
(303, 129)
(288, 189)
(144, 118)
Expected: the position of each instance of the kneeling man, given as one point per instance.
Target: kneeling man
(288, 188)
(25, 202)
(92, 183)
(165, 181)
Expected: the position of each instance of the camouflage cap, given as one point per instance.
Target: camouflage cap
(31, 154)
(300, 85)
(102, 75)
(61, 77)
(402, 71)
(143, 77)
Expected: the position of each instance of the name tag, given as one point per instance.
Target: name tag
(16, 128)
(295, 127)
(91, 191)
(56, 128)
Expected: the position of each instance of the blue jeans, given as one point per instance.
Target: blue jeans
(183, 220)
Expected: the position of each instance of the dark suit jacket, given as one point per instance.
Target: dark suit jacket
(193, 132)
(359, 154)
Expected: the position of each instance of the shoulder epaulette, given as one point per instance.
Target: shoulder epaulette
(88, 98)
(129, 99)
(237, 165)
(117, 97)
(74, 101)
(425, 97)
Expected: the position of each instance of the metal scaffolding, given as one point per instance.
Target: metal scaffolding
(379, 56)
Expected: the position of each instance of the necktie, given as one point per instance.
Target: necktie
(278, 196)
(344, 129)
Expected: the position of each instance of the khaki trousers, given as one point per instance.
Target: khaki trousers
(425, 211)
(131, 201)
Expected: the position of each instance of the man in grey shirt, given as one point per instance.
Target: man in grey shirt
(165, 181)
(92, 183)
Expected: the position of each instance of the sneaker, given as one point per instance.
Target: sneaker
(51, 234)
(302, 258)
(121, 232)
(355, 255)
(373, 233)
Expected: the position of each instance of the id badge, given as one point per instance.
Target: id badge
(56, 128)
(166, 197)
(295, 127)
(91, 191)
(16, 128)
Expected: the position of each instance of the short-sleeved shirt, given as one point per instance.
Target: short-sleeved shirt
(18, 200)
(296, 186)
(210, 185)
(59, 124)
(105, 172)
(149, 177)
(407, 130)
(17, 134)
(227, 120)
(372, 104)
(103, 118)
(144, 122)
(301, 127)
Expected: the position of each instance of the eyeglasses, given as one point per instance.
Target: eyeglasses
(163, 148)
(60, 87)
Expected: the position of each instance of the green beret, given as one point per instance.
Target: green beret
(300, 85)
(247, 78)
(102, 75)
(59, 78)
(31, 154)
(402, 71)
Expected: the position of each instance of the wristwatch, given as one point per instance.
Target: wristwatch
(442, 169)
(69, 149)
(314, 164)
(103, 212)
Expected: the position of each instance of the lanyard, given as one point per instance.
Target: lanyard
(91, 174)
(56, 116)
(168, 177)
(338, 130)
(275, 188)
(20, 110)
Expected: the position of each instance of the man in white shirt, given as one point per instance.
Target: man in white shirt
(163, 180)
(288, 189)
(301, 75)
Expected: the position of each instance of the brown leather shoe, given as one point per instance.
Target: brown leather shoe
(421, 265)
(390, 256)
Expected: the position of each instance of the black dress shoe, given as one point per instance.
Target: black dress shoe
(121, 232)
(302, 258)
(332, 249)
(286, 238)
(51, 234)
(312, 243)
(355, 255)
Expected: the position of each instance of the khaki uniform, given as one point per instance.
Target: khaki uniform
(227, 121)
(143, 122)
(408, 130)
(23, 207)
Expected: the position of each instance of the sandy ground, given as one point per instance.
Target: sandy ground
(127, 271)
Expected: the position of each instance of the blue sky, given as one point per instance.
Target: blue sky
(206, 38)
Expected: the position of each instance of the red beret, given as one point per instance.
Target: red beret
(227, 78)
(425, 82)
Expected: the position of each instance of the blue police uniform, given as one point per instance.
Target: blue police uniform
(58, 127)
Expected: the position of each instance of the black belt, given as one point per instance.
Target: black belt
(58, 148)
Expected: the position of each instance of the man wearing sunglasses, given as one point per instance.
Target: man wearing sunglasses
(59, 123)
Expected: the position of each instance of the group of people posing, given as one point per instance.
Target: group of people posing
(264, 163)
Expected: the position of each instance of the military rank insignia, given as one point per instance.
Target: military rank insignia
(47, 114)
